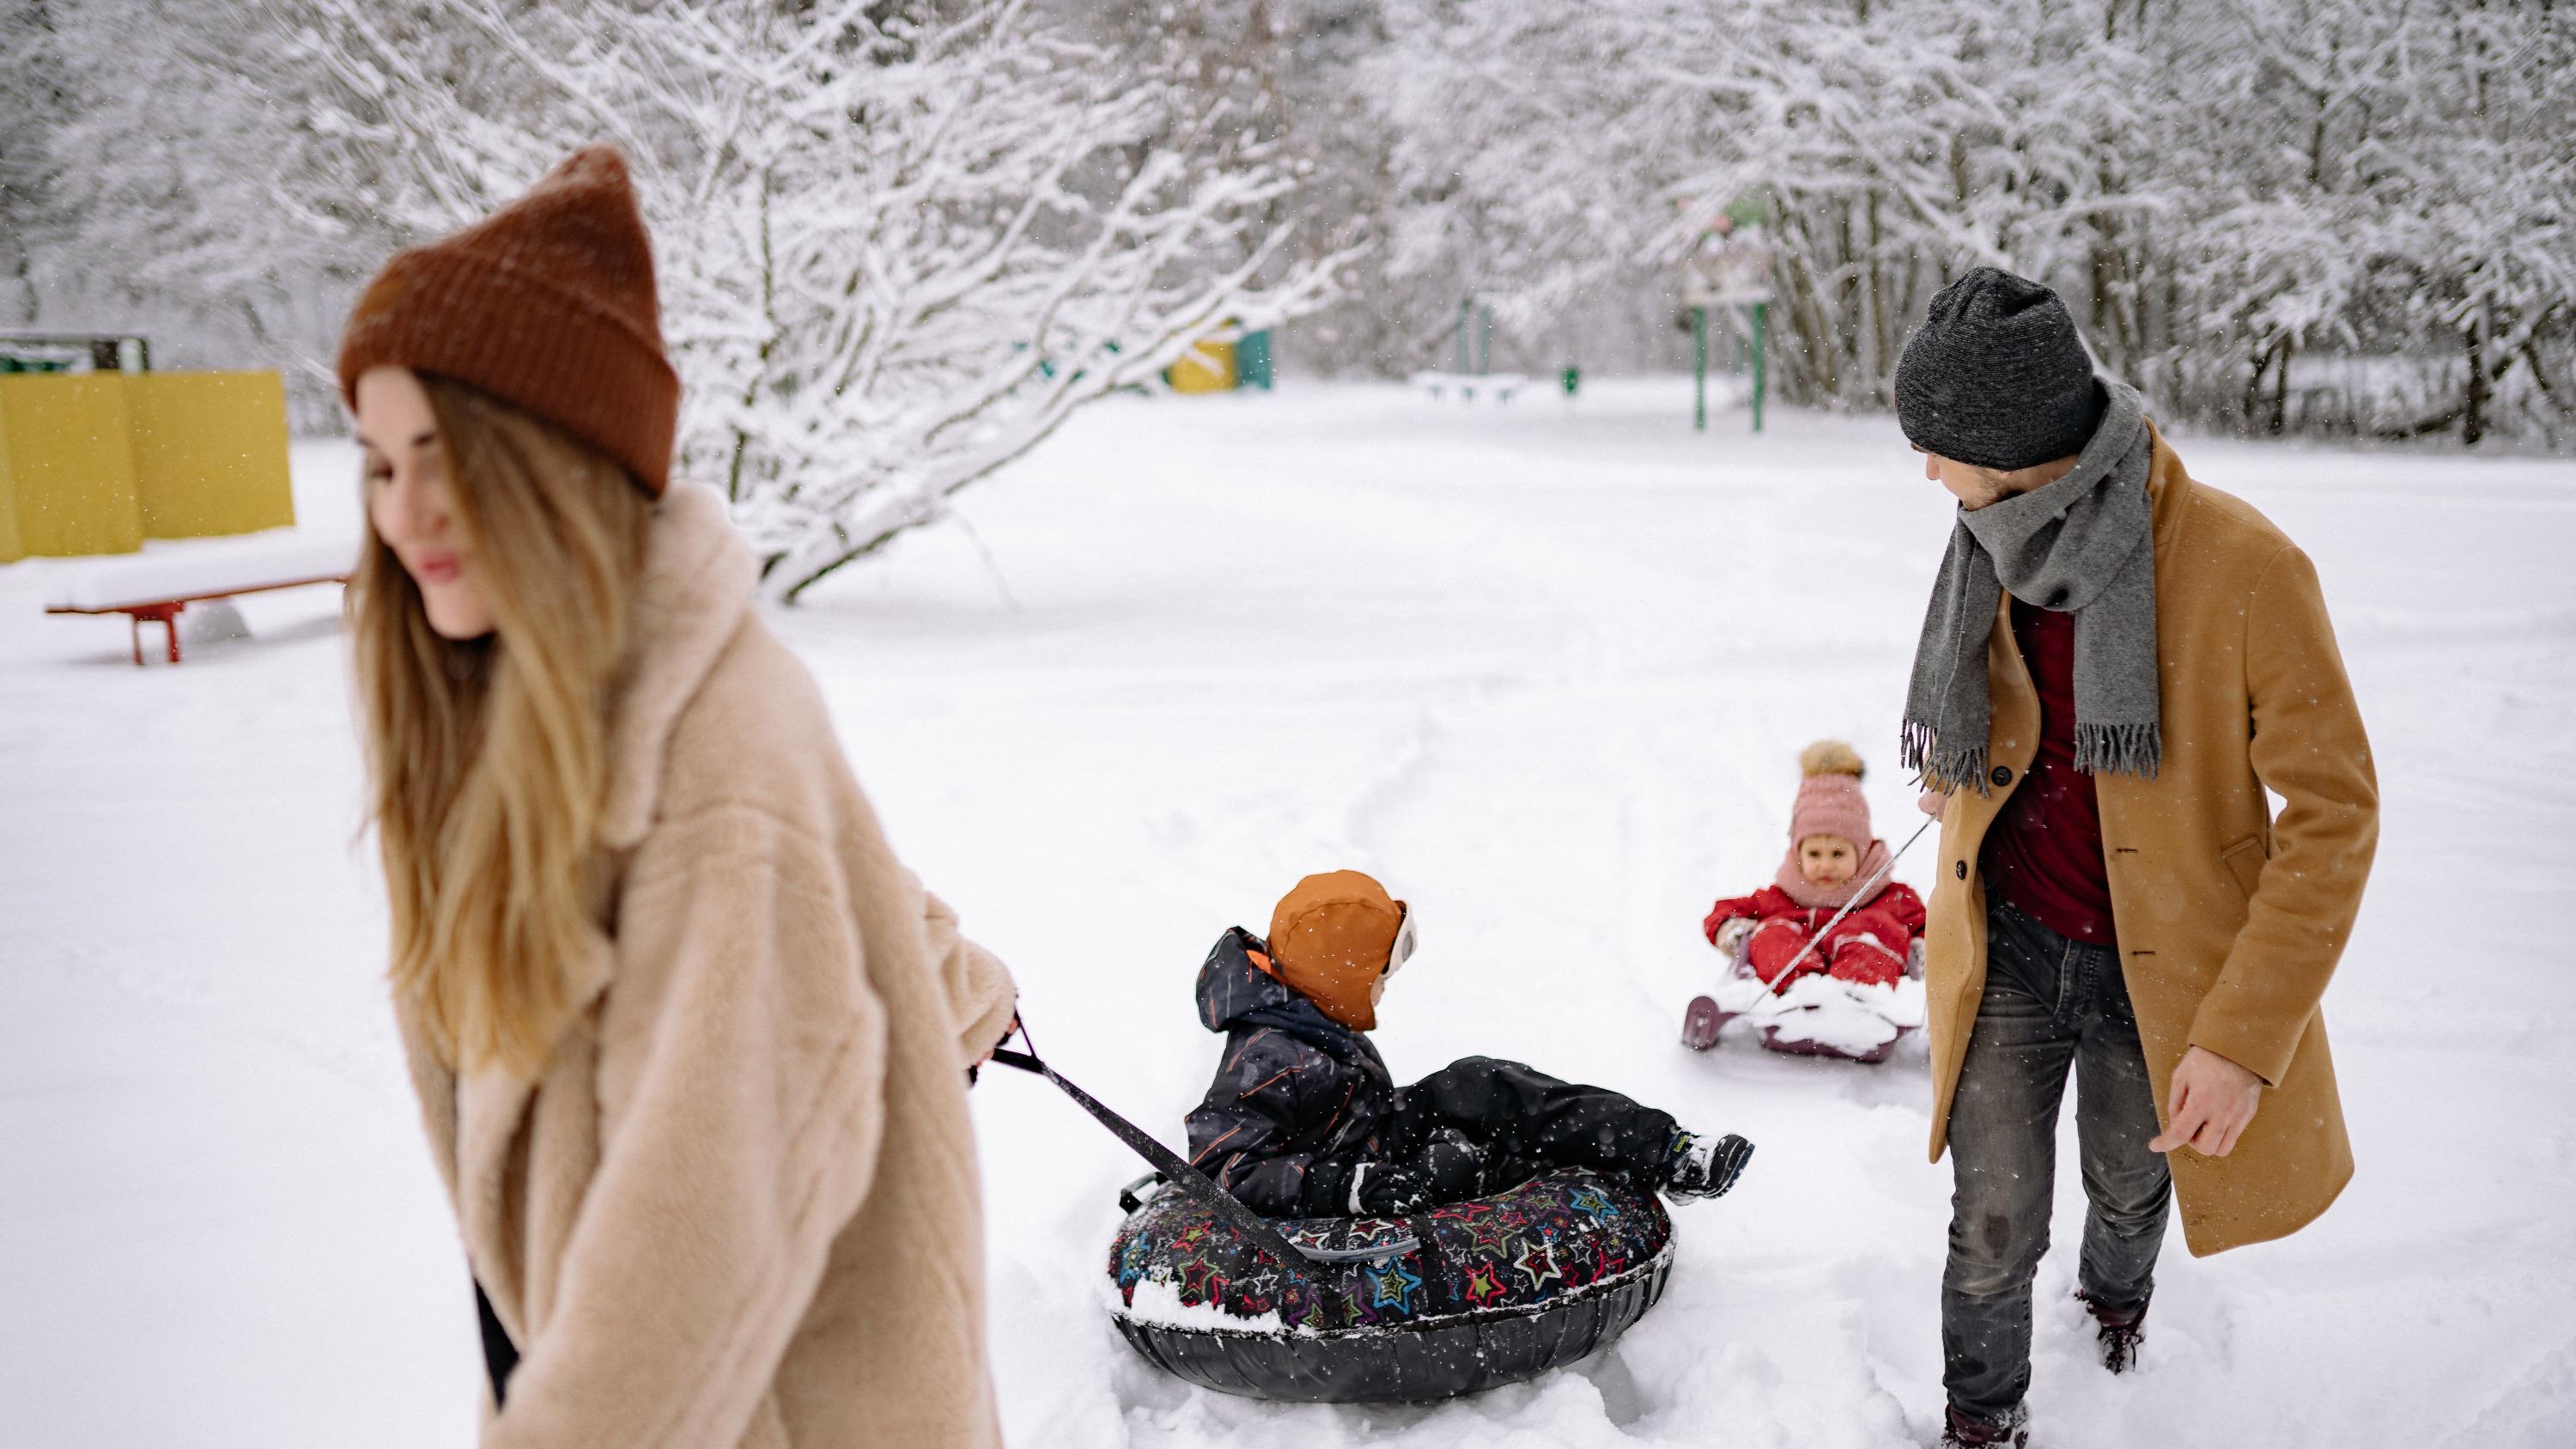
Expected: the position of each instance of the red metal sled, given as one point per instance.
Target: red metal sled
(1702, 1022)
(1773, 1041)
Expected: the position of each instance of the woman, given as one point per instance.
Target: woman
(690, 1042)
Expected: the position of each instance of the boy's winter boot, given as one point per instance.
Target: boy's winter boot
(1962, 1431)
(1704, 1167)
(2119, 1333)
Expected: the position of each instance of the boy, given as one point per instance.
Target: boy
(1304, 1121)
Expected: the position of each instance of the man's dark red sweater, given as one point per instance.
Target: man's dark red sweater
(2044, 853)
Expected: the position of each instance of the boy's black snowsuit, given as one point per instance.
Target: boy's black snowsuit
(1301, 1100)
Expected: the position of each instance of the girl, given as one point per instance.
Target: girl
(689, 1040)
(1827, 866)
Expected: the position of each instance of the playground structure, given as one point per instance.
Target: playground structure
(1729, 271)
(73, 352)
(158, 588)
(1471, 377)
(1223, 366)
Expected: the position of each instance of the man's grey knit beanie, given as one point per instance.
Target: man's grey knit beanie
(1996, 376)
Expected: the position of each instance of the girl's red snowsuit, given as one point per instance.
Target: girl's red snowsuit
(1868, 946)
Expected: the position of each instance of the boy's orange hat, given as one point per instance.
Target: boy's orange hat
(1332, 937)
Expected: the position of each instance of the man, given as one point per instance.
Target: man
(2117, 664)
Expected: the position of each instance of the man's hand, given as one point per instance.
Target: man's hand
(1932, 803)
(2212, 1103)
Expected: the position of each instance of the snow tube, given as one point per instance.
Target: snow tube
(1452, 1301)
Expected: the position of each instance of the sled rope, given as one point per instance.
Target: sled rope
(1175, 1171)
(1868, 888)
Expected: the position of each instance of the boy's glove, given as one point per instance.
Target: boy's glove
(1452, 1165)
(1731, 933)
(1387, 1190)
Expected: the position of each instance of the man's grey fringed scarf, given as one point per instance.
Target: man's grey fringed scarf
(2080, 545)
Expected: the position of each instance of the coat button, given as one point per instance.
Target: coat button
(1962, 869)
(2001, 775)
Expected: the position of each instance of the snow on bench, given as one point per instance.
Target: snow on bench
(159, 584)
(1470, 386)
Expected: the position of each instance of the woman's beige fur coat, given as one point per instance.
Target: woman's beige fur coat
(740, 1207)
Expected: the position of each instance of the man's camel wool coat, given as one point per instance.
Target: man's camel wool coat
(2229, 921)
(740, 1206)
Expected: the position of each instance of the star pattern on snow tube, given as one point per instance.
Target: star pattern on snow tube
(1201, 1282)
(1554, 1237)
(1131, 1262)
(1392, 1286)
(1486, 1226)
(1542, 1251)
(1258, 1284)
(1607, 1260)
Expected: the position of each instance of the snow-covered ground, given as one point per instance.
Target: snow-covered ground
(1543, 669)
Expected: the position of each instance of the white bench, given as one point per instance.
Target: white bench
(160, 584)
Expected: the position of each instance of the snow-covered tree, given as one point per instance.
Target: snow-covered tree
(192, 232)
(898, 243)
(2220, 190)
(2305, 214)
(31, 103)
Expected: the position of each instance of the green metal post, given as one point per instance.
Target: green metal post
(1699, 369)
(1761, 373)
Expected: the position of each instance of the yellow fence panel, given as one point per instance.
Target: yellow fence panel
(71, 464)
(210, 453)
(97, 462)
(10, 548)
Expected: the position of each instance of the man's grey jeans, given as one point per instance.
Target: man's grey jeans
(2049, 1003)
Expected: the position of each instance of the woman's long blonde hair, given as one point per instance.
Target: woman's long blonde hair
(487, 758)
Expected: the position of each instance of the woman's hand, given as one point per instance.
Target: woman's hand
(1932, 803)
(1008, 1032)
(978, 1064)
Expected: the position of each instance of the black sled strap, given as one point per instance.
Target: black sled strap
(1178, 1173)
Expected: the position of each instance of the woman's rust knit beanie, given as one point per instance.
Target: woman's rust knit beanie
(547, 304)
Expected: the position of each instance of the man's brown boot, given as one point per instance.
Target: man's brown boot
(2118, 1333)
